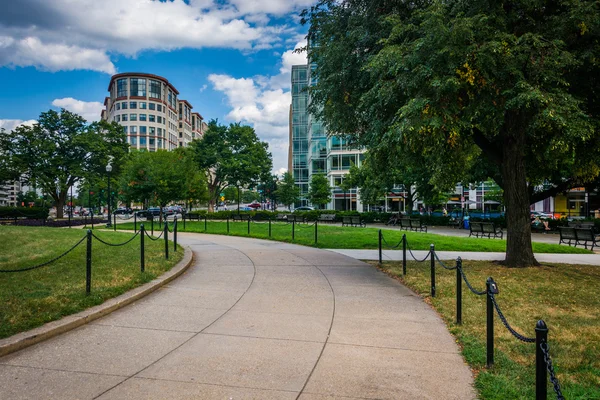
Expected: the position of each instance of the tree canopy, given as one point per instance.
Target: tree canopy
(287, 192)
(506, 87)
(59, 151)
(319, 192)
(228, 154)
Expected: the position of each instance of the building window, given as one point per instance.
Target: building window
(155, 89)
(133, 117)
(142, 105)
(170, 98)
(159, 131)
(158, 107)
(118, 106)
(159, 119)
(159, 143)
(118, 118)
(133, 129)
(124, 105)
(124, 117)
(180, 125)
(152, 131)
(132, 105)
(122, 87)
(151, 118)
(151, 106)
(142, 140)
(151, 141)
(138, 87)
(142, 130)
(125, 129)
(142, 117)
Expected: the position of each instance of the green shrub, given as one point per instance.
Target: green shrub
(24, 212)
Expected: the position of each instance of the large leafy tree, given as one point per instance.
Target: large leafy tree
(228, 154)
(507, 87)
(59, 151)
(287, 192)
(159, 177)
(319, 192)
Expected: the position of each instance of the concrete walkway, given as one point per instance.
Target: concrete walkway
(253, 319)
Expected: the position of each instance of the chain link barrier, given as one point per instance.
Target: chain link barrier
(151, 238)
(413, 256)
(471, 288)
(546, 350)
(115, 244)
(442, 263)
(124, 218)
(507, 325)
(47, 262)
(388, 245)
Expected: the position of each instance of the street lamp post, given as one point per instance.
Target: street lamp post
(238, 190)
(108, 170)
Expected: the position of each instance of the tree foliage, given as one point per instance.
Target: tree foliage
(228, 154)
(319, 192)
(59, 151)
(506, 87)
(287, 192)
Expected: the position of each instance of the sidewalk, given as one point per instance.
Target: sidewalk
(253, 319)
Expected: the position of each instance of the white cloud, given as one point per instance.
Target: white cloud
(66, 35)
(89, 110)
(264, 102)
(10, 124)
(203, 88)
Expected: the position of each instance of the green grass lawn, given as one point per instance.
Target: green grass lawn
(30, 299)
(337, 237)
(564, 296)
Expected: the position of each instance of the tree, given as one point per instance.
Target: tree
(195, 190)
(228, 154)
(155, 176)
(287, 192)
(509, 87)
(319, 192)
(60, 150)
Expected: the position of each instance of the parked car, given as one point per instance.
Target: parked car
(122, 210)
(254, 205)
(304, 208)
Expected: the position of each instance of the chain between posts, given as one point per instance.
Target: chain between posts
(115, 244)
(507, 325)
(151, 238)
(546, 350)
(47, 262)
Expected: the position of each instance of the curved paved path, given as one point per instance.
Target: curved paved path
(253, 320)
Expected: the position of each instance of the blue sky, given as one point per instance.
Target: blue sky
(230, 59)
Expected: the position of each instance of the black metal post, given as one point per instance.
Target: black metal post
(175, 234)
(142, 257)
(490, 323)
(135, 222)
(227, 224)
(404, 254)
(88, 264)
(166, 233)
(92, 218)
(269, 227)
(205, 223)
(238, 190)
(541, 377)
(71, 207)
(458, 291)
(293, 229)
(316, 231)
(432, 256)
(152, 226)
(183, 216)
(248, 226)
(380, 257)
(115, 222)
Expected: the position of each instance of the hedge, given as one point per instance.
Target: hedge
(24, 212)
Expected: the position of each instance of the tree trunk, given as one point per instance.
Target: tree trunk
(60, 200)
(518, 238)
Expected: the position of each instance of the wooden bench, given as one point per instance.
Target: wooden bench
(489, 229)
(404, 223)
(567, 234)
(327, 218)
(415, 225)
(584, 236)
(475, 228)
(241, 217)
(281, 217)
(354, 220)
(296, 218)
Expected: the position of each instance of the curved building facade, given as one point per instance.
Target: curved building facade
(148, 109)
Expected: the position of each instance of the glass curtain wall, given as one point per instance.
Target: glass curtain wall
(300, 134)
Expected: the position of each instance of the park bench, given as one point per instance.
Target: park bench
(405, 223)
(415, 225)
(354, 220)
(296, 218)
(281, 217)
(241, 217)
(191, 217)
(456, 223)
(489, 229)
(567, 235)
(581, 224)
(327, 218)
(475, 229)
(585, 236)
